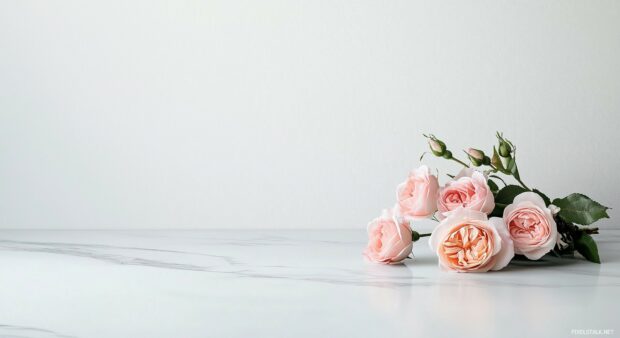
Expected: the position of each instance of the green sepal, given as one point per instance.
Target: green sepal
(496, 161)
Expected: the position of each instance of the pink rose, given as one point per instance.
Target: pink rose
(470, 190)
(417, 196)
(466, 241)
(531, 225)
(389, 241)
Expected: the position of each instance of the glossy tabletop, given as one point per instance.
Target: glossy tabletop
(295, 283)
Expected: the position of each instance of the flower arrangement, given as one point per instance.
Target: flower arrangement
(483, 226)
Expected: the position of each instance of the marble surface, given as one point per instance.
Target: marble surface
(275, 283)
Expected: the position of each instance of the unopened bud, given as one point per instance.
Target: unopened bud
(475, 153)
(437, 147)
(504, 149)
(475, 156)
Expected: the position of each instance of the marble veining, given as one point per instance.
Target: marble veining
(12, 331)
(234, 283)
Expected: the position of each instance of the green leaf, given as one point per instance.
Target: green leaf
(580, 209)
(544, 197)
(508, 193)
(586, 246)
(504, 197)
(492, 185)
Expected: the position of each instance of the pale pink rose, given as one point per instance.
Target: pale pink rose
(469, 190)
(531, 225)
(417, 196)
(466, 241)
(389, 239)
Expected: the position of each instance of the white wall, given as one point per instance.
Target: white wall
(291, 114)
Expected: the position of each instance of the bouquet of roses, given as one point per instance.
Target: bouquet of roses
(484, 223)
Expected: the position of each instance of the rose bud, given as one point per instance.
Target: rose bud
(475, 156)
(437, 147)
(504, 149)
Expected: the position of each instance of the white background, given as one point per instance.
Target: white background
(291, 114)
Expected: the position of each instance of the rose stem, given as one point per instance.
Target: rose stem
(522, 184)
(518, 180)
(460, 162)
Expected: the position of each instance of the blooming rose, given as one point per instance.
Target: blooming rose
(417, 196)
(531, 225)
(470, 190)
(466, 241)
(389, 240)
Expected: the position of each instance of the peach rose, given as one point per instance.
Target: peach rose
(389, 239)
(470, 190)
(466, 241)
(531, 225)
(417, 196)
